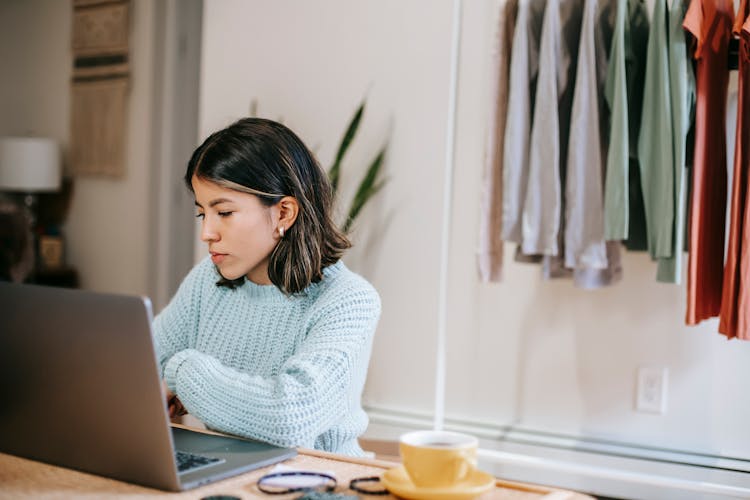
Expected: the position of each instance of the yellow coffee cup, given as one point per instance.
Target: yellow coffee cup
(438, 459)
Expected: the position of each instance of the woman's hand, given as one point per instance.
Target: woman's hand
(176, 409)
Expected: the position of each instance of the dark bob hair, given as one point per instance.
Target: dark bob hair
(265, 158)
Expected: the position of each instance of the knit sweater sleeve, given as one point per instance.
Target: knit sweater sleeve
(175, 327)
(312, 390)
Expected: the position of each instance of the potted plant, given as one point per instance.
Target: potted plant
(370, 184)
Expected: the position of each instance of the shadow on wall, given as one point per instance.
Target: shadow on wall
(578, 368)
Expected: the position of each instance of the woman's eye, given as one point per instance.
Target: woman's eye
(225, 214)
(199, 216)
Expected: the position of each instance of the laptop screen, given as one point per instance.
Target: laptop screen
(81, 387)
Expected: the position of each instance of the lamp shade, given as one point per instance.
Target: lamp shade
(29, 164)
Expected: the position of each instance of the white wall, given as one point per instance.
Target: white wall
(36, 66)
(107, 226)
(311, 64)
(542, 355)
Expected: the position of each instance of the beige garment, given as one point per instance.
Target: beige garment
(490, 253)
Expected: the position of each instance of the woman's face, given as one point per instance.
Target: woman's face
(239, 229)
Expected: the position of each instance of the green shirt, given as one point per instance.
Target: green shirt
(682, 83)
(667, 103)
(631, 26)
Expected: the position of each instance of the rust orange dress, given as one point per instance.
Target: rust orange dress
(710, 23)
(734, 320)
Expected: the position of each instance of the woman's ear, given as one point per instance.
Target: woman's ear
(288, 211)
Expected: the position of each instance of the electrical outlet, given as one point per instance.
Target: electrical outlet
(651, 389)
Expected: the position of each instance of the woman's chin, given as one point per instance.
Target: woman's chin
(228, 274)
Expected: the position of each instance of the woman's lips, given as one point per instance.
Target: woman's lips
(217, 258)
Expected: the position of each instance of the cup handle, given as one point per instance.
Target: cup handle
(464, 464)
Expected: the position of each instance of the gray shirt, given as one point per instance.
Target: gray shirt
(524, 68)
(558, 55)
(596, 263)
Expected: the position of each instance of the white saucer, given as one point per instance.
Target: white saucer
(398, 482)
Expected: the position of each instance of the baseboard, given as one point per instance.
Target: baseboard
(584, 463)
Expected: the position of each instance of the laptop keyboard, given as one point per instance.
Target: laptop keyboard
(188, 462)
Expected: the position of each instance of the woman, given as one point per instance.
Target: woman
(270, 336)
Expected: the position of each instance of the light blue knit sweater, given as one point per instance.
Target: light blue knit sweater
(253, 362)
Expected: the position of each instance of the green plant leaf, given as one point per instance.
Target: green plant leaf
(351, 131)
(368, 187)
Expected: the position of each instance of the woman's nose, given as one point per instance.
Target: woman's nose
(208, 233)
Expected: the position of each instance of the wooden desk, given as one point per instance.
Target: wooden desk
(21, 478)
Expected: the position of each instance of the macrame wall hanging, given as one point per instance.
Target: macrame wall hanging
(99, 100)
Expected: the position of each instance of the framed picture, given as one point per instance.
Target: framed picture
(51, 252)
(100, 87)
(100, 29)
(98, 124)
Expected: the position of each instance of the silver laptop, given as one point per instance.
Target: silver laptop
(80, 388)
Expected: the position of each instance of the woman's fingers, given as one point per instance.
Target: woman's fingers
(180, 408)
(176, 408)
